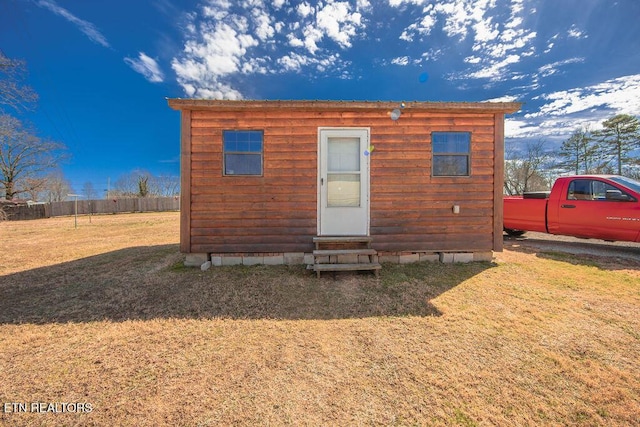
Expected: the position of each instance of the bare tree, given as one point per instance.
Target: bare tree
(24, 157)
(526, 171)
(57, 187)
(166, 185)
(89, 191)
(134, 184)
(36, 188)
(125, 186)
(13, 93)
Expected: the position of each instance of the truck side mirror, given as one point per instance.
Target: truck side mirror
(617, 195)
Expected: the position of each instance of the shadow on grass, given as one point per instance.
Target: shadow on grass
(150, 282)
(590, 253)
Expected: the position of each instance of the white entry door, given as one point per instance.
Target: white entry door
(343, 184)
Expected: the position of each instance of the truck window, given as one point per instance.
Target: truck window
(587, 189)
(580, 189)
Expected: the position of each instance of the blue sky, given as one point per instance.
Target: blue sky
(103, 69)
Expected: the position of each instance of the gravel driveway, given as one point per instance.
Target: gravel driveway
(592, 247)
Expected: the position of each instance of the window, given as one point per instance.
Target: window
(586, 189)
(451, 153)
(242, 152)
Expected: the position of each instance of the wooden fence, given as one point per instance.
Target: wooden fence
(86, 207)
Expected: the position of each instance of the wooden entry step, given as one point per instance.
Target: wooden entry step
(346, 267)
(342, 239)
(344, 253)
(342, 242)
(330, 252)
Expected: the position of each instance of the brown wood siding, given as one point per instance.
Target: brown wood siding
(275, 212)
(409, 209)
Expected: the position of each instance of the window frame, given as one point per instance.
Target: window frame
(435, 154)
(240, 153)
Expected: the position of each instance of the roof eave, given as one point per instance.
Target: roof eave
(210, 104)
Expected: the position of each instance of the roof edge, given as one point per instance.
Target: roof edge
(212, 104)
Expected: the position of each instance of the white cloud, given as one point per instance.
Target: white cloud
(494, 70)
(295, 62)
(620, 95)
(514, 128)
(575, 33)
(506, 98)
(457, 17)
(312, 36)
(334, 20)
(86, 27)
(217, 51)
(216, 9)
(432, 54)
(498, 43)
(423, 27)
(262, 19)
(363, 4)
(146, 66)
(402, 60)
(563, 111)
(304, 9)
(553, 68)
(337, 22)
(501, 46)
(295, 42)
(224, 40)
(396, 3)
(485, 31)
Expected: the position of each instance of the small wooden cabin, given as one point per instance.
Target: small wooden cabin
(272, 181)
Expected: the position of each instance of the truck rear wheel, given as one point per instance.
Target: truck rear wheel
(514, 233)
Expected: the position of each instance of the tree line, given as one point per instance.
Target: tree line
(140, 183)
(609, 150)
(54, 187)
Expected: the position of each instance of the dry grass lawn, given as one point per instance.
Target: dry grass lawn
(106, 314)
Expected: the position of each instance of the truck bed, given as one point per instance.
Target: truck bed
(525, 213)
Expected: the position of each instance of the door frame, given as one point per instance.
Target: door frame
(347, 131)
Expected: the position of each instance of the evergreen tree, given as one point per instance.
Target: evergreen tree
(579, 151)
(619, 136)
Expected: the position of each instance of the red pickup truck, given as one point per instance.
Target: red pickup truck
(603, 207)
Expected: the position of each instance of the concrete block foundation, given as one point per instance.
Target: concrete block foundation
(300, 258)
(274, 259)
(292, 258)
(408, 258)
(195, 260)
